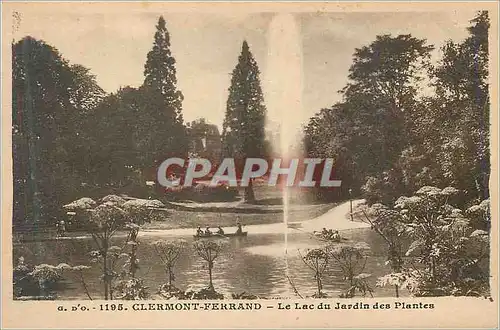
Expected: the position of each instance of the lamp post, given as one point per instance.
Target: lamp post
(350, 203)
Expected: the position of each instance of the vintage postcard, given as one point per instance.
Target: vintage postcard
(249, 165)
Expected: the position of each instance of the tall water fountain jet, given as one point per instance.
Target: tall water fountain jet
(283, 92)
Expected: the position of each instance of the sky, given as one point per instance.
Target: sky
(206, 48)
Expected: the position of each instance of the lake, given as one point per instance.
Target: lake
(256, 264)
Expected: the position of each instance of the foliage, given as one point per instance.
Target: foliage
(480, 215)
(317, 261)
(351, 260)
(388, 139)
(367, 131)
(71, 139)
(205, 140)
(209, 250)
(382, 188)
(169, 252)
(171, 292)
(452, 254)
(164, 107)
(451, 129)
(385, 222)
(243, 133)
(244, 295)
(49, 101)
(204, 294)
(102, 221)
(40, 280)
(203, 193)
(131, 289)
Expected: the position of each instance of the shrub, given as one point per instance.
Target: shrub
(351, 260)
(452, 254)
(207, 293)
(169, 252)
(203, 192)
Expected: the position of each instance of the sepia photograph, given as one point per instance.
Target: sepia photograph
(187, 158)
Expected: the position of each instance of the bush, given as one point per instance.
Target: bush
(244, 296)
(207, 293)
(39, 281)
(24, 283)
(203, 192)
(131, 289)
(171, 292)
(384, 188)
(451, 253)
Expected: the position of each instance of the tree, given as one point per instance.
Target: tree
(243, 134)
(367, 132)
(209, 250)
(163, 131)
(169, 252)
(205, 140)
(462, 107)
(450, 130)
(327, 135)
(451, 253)
(50, 100)
(85, 93)
(317, 260)
(113, 152)
(351, 260)
(160, 72)
(102, 221)
(382, 92)
(385, 222)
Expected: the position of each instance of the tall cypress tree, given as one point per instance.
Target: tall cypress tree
(163, 133)
(160, 72)
(243, 128)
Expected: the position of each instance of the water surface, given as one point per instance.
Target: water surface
(256, 264)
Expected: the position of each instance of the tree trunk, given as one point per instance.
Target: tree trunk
(170, 277)
(397, 291)
(433, 270)
(210, 266)
(249, 193)
(105, 273)
(42, 284)
(318, 281)
(351, 291)
(133, 261)
(110, 290)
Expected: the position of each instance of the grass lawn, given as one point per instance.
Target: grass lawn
(186, 219)
(267, 197)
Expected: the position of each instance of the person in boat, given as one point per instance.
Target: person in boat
(61, 228)
(336, 235)
(239, 231)
(324, 232)
(220, 231)
(208, 232)
(330, 234)
(199, 232)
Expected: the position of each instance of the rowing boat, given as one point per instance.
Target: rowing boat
(328, 238)
(215, 235)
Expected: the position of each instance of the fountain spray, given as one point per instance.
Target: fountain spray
(284, 94)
